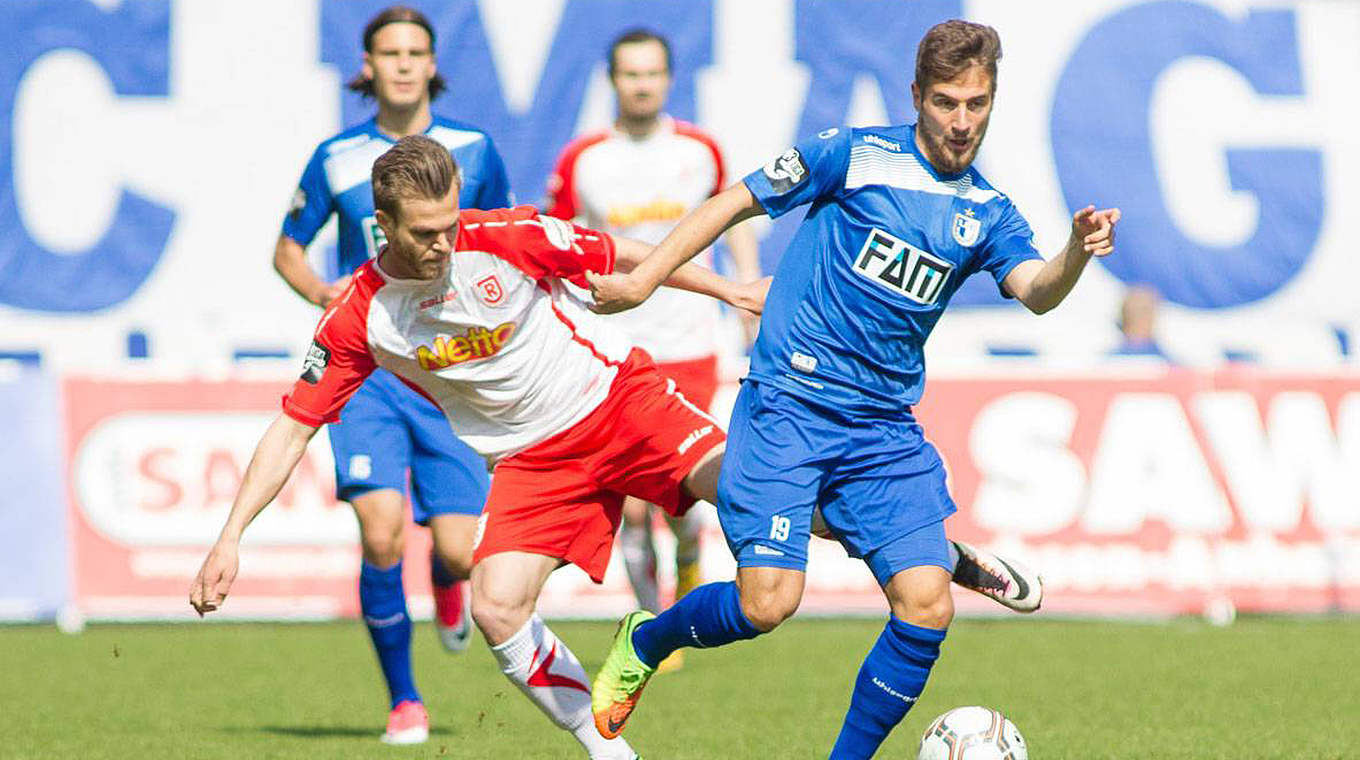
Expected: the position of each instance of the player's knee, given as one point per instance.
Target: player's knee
(930, 611)
(457, 559)
(382, 548)
(767, 609)
(499, 616)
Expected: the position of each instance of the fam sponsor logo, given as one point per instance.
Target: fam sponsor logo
(476, 343)
(883, 143)
(894, 264)
(656, 211)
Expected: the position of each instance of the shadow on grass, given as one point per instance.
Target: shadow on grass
(323, 732)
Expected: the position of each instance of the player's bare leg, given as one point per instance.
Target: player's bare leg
(382, 519)
(453, 534)
(639, 552)
(895, 671)
(505, 589)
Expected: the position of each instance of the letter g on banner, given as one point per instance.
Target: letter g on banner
(132, 45)
(1103, 151)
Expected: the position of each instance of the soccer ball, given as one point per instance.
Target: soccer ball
(972, 733)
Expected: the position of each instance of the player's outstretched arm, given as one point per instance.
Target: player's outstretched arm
(697, 231)
(275, 457)
(1041, 286)
(748, 296)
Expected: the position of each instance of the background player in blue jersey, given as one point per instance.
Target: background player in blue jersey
(388, 429)
(898, 219)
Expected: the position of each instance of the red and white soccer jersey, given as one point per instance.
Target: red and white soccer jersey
(640, 188)
(573, 416)
(499, 344)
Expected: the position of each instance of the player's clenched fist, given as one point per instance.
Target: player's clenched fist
(614, 293)
(214, 579)
(1095, 229)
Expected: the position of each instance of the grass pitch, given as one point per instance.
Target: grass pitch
(1263, 688)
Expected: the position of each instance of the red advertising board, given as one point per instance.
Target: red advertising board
(1139, 493)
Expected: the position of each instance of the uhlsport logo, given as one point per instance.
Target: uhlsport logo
(476, 343)
(966, 228)
(894, 264)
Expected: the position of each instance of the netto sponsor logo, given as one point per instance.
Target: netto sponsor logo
(477, 343)
(656, 211)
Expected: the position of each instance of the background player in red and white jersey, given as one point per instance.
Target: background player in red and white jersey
(637, 179)
(471, 310)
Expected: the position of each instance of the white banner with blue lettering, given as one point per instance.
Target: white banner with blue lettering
(149, 150)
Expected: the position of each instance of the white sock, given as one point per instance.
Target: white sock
(639, 559)
(552, 678)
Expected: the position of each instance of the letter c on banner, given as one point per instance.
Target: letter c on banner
(1103, 151)
(132, 45)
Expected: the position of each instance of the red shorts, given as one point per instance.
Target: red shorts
(563, 497)
(696, 378)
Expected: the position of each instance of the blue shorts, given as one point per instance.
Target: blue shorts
(387, 429)
(879, 483)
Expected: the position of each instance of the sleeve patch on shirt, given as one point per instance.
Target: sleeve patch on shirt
(314, 366)
(560, 233)
(298, 203)
(786, 171)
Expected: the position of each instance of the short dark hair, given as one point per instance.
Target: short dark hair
(396, 14)
(416, 167)
(632, 36)
(951, 47)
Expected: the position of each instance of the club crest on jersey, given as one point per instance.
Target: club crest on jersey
(966, 228)
(490, 290)
(314, 365)
(896, 265)
(786, 171)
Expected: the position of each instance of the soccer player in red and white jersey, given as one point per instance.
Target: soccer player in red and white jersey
(470, 309)
(636, 180)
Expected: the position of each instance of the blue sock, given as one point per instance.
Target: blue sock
(383, 603)
(708, 616)
(888, 684)
(440, 575)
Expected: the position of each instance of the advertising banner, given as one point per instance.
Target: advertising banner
(1223, 130)
(1142, 492)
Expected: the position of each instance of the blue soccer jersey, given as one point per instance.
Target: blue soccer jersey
(886, 243)
(337, 180)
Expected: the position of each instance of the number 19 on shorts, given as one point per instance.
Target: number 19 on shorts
(779, 528)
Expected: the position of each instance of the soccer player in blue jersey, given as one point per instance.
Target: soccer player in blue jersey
(898, 219)
(388, 429)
